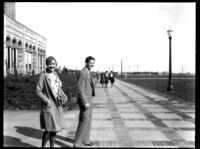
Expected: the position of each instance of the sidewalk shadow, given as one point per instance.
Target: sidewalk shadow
(62, 144)
(15, 142)
(37, 134)
(30, 132)
(65, 139)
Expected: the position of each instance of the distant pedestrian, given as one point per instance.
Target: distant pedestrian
(97, 77)
(51, 115)
(102, 79)
(111, 78)
(106, 78)
(86, 90)
(33, 72)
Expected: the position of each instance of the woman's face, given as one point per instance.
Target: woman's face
(51, 66)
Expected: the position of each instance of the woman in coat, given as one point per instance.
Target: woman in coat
(112, 78)
(51, 115)
(106, 78)
(102, 79)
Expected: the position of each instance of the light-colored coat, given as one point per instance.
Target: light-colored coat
(51, 118)
(85, 87)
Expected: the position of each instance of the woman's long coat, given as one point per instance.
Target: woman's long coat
(51, 118)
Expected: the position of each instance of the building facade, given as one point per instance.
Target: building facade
(24, 49)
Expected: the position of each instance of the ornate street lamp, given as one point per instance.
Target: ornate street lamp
(170, 87)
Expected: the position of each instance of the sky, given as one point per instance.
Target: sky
(134, 33)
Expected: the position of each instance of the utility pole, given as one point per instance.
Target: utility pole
(182, 70)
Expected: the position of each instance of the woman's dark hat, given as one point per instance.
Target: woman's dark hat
(50, 59)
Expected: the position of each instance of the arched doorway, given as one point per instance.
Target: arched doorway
(8, 46)
(26, 56)
(30, 58)
(14, 55)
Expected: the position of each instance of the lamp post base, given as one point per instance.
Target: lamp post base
(170, 88)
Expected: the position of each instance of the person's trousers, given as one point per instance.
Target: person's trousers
(84, 126)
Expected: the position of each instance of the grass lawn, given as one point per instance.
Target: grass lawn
(183, 88)
(19, 92)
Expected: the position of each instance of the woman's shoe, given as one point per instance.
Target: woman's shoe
(89, 144)
(77, 146)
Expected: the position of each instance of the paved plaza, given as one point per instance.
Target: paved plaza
(123, 116)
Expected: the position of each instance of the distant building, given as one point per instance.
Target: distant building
(24, 49)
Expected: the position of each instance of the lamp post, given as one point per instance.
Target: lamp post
(170, 87)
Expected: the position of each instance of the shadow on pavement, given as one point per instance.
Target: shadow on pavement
(15, 142)
(37, 134)
(65, 139)
(61, 144)
(30, 132)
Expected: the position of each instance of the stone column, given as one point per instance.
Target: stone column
(20, 60)
(24, 50)
(43, 60)
(34, 59)
(38, 63)
(5, 53)
(15, 60)
(36, 55)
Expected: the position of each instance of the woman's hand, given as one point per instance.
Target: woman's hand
(65, 108)
(87, 106)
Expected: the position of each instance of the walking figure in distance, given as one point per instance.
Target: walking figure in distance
(102, 79)
(106, 78)
(112, 78)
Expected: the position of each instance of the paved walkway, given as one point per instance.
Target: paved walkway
(123, 116)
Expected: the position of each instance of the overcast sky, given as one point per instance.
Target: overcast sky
(133, 32)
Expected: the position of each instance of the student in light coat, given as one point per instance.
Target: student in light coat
(51, 115)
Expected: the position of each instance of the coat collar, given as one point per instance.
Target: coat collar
(89, 76)
(48, 82)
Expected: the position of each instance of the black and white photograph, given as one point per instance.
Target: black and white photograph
(99, 74)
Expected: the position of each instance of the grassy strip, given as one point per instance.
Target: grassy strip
(183, 88)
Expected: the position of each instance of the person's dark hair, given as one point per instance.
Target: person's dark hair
(49, 59)
(89, 58)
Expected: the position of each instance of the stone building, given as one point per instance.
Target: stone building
(24, 49)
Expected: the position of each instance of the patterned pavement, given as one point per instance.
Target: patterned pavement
(123, 116)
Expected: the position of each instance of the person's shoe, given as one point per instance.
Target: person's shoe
(89, 144)
(77, 146)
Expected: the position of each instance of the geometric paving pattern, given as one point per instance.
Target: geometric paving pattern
(123, 116)
(178, 129)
